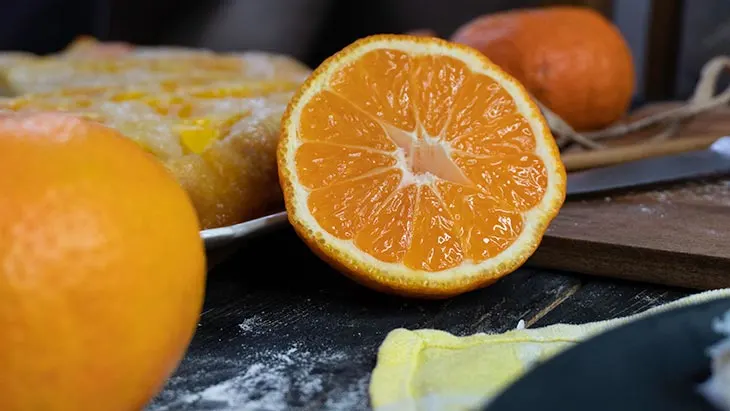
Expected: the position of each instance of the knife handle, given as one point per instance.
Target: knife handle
(615, 155)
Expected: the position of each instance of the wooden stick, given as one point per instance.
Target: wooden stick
(614, 155)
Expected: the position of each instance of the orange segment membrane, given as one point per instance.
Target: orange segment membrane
(437, 81)
(481, 108)
(388, 233)
(379, 84)
(321, 164)
(341, 123)
(343, 209)
(436, 243)
(483, 225)
(459, 133)
(518, 181)
(512, 136)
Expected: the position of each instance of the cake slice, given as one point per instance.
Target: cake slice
(52, 74)
(211, 118)
(219, 142)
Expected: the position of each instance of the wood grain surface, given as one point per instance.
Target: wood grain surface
(674, 235)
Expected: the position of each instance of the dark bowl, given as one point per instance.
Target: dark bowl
(655, 363)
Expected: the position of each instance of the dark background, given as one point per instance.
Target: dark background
(670, 39)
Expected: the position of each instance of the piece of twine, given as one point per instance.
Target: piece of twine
(703, 99)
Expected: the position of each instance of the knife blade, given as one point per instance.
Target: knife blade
(713, 161)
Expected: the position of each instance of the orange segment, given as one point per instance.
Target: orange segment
(343, 209)
(418, 167)
(481, 108)
(519, 181)
(379, 84)
(387, 235)
(484, 226)
(436, 244)
(434, 104)
(320, 164)
(342, 124)
(512, 136)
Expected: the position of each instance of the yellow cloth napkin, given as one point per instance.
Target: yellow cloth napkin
(434, 370)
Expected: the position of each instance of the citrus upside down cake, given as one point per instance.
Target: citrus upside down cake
(211, 118)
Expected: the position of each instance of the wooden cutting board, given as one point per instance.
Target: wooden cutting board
(676, 235)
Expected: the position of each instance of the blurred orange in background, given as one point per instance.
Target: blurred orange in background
(572, 59)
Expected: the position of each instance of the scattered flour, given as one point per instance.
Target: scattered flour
(354, 398)
(646, 209)
(717, 192)
(281, 380)
(249, 324)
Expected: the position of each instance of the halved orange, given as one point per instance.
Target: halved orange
(418, 167)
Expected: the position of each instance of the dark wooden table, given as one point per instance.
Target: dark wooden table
(281, 330)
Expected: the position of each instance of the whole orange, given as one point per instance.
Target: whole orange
(102, 268)
(571, 58)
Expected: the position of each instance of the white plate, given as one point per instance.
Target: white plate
(218, 237)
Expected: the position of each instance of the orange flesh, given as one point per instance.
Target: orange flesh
(418, 160)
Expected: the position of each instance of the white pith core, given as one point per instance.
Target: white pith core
(424, 160)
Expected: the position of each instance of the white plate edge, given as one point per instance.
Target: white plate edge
(216, 237)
